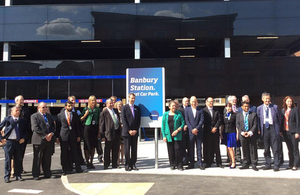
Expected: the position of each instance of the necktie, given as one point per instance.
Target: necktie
(246, 122)
(114, 119)
(46, 120)
(267, 118)
(132, 110)
(17, 129)
(69, 118)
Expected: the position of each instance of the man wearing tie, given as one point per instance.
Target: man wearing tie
(110, 128)
(43, 129)
(269, 118)
(211, 135)
(14, 136)
(194, 119)
(131, 118)
(246, 124)
(67, 130)
(185, 135)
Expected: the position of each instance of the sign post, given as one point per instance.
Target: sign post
(148, 85)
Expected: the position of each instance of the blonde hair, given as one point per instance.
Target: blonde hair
(91, 98)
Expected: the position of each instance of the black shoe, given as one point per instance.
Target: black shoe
(6, 180)
(36, 178)
(24, 172)
(19, 178)
(207, 165)
(244, 167)
(127, 168)
(254, 168)
(202, 167)
(83, 163)
(64, 173)
(79, 171)
(191, 166)
(172, 167)
(105, 168)
(289, 167)
(221, 166)
(276, 169)
(92, 166)
(133, 167)
(180, 169)
(266, 168)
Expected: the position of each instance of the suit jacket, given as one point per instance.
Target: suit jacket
(39, 127)
(194, 122)
(62, 128)
(230, 125)
(211, 122)
(107, 125)
(178, 122)
(252, 123)
(9, 124)
(130, 123)
(294, 126)
(276, 116)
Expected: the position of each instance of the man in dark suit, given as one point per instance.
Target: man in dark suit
(185, 135)
(211, 134)
(131, 119)
(43, 129)
(246, 124)
(110, 128)
(67, 130)
(24, 113)
(13, 136)
(269, 122)
(194, 118)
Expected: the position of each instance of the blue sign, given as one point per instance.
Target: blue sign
(148, 85)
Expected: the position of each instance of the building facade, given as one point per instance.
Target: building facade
(208, 48)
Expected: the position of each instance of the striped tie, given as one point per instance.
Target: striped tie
(246, 122)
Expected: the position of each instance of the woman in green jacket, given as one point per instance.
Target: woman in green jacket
(171, 128)
(90, 116)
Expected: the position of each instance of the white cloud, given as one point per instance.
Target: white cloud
(169, 13)
(63, 27)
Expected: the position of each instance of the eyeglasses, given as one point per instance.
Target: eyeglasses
(44, 107)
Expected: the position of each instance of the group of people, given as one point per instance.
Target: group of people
(116, 124)
(187, 127)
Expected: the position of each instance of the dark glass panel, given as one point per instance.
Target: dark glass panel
(252, 9)
(25, 14)
(288, 26)
(254, 27)
(168, 10)
(287, 8)
(1, 15)
(194, 10)
(21, 32)
(1, 32)
(29, 89)
(38, 2)
(68, 13)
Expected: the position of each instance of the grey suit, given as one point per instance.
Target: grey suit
(42, 149)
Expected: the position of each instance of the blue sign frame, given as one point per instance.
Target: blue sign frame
(148, 85)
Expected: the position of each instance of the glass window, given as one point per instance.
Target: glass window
(21, 32)
(1, 32)
(252, 9)
(194, 10)
(287, 8)
(254, 27)
(66, 31)
(69, 13)
(288, 26)
(167, 10)
(1, 15)
(26, 14)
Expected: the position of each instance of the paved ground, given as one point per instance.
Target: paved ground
(149, 180)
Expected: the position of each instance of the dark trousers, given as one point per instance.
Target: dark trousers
(12, 149)
(185, 147)
(79, 152)
(198, 141)
(292, 145)
(113, 146)
(271, 139)
(130, 150)
(23, 148)
(99, 148)
(280, 150)
(69, 147)
(211, 146)
(174, 152)
(42, 153)
(249, 148)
